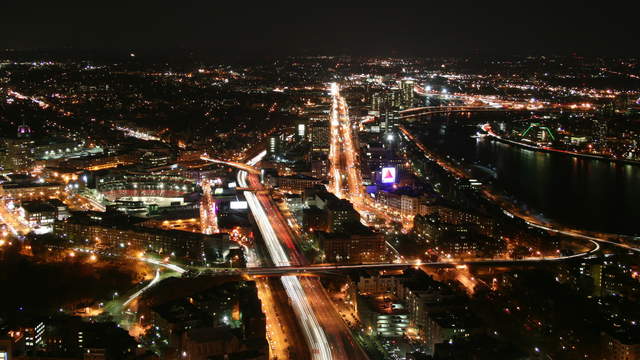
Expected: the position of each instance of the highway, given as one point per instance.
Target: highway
(315, 269)
(284, 340)
(326, 334)
(314, 334)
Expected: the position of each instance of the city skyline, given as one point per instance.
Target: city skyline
(194, 182)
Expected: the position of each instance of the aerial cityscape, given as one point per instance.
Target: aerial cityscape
(192, 182)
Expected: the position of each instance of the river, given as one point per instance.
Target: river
(580, 193)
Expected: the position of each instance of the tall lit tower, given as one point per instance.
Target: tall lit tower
(208, 217)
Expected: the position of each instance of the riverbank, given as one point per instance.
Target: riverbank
(491, 194)
(499, 138)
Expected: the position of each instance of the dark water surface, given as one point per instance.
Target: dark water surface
(581, 193)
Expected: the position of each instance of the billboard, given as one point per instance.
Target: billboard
(238, 205)
(388, 175)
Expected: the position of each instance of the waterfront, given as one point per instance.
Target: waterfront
(577, 192)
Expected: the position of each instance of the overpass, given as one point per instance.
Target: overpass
(325, 269)
(245, 167)
(319, 269)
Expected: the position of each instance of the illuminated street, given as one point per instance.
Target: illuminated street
(325, 332)
(456, 181)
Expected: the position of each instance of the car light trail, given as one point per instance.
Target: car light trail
(314, 334)
(169, 266)
(135, 295)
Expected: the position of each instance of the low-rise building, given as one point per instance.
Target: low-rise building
(293, 183)
(39, 213)
(341, 215)
(444, 326)
(622, 345)
(31, 191)
(357, 245)
(382, 317)
(120, 233)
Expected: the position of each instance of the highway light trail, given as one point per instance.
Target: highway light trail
(313, 332)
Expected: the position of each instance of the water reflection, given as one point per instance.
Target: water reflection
(584, 193)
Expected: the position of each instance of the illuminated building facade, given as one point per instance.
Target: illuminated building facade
(32, 191)
(353, 248)
(119, 234)
(117, 185)
(319, 132)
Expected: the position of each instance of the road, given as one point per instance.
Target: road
(14, 223)
(313, 269)
(344, 152)
(326, 334)
(344, 158)
(513, 210)
(246, 167)
(314, 334)
(283, 335)
(137, 294)
(283, 332)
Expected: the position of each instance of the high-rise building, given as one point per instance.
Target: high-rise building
(274, 144)
(387, 104)
(320, 136)
(377, 101)
(406, 93)
(17, 154)
(620, 345)
(319, 165)
(301, 130)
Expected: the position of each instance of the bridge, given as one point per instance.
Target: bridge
(429, 110)
(319, 269)
(327, 269)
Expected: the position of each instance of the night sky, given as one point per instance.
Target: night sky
(461, 28)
